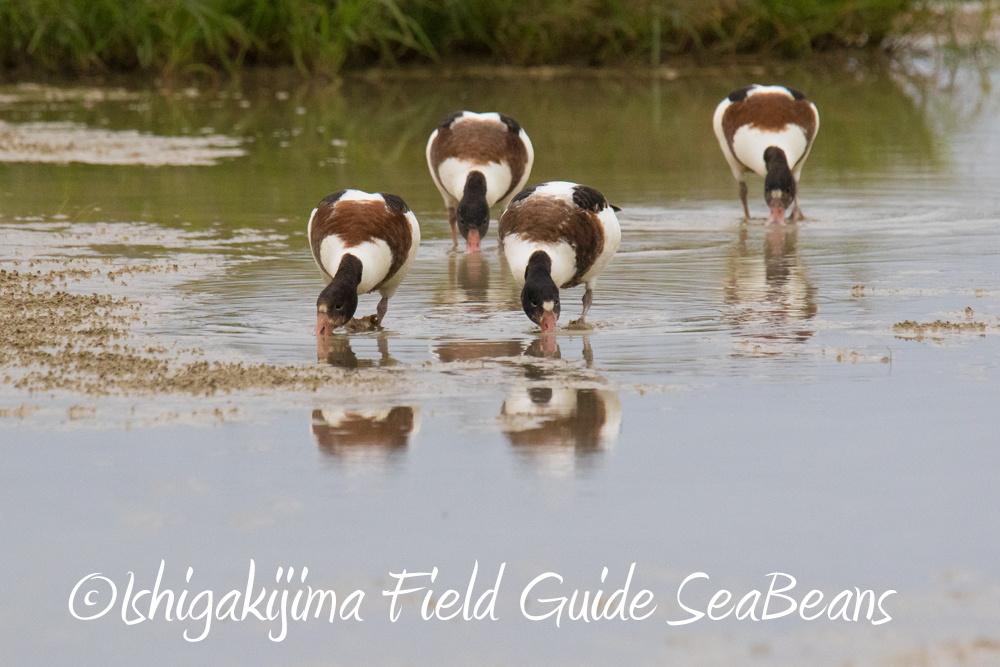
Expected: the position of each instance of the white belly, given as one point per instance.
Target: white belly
(750, 143)
(612, 238)
(453, 173)
(519, 251)
(389, 288)
(375, 256)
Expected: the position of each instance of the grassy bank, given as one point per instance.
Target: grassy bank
(325, 36)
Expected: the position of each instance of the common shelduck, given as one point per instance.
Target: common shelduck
(477, 160)
(768, 130)
(556, 235)
(361, 243)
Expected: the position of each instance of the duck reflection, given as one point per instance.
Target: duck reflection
(480, 283)
(470, 350)
(365, 435)
(554, 419)
(770, 302)
(554, 425)
(544, 347)
(336, 350)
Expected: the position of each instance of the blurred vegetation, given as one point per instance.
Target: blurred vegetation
(965, 27)
(324, 36)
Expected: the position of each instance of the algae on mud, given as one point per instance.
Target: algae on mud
(51, 339)
(920, 330)
(74, 142)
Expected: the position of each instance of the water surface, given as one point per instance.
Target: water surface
(743, 405)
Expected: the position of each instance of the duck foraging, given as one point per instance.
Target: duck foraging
(361, 243)
(768, 130)
(477, 160)
(557, 235)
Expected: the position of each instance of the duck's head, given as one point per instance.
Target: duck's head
(540, 296)
(779, 184)
(474, 212)
(339, 300)
(335, 308)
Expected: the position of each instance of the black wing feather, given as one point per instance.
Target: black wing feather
(332, 199)
(394, 202)
(589, 199)
(523, 194)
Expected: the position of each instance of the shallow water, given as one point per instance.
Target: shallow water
(743, 405)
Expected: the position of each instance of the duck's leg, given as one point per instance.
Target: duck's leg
(383, 305)
(743, 198)
(797, 214)
(452, 220)
(588, 298)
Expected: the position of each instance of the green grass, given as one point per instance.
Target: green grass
(325, 36)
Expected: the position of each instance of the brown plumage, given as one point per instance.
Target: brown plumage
(771, 112)
(361, 243)
(477, 160)
(552, 220)
(768, 130)
(356, 222)
(556, 235)
(481, 141)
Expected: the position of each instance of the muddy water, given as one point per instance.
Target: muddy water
(817, 400)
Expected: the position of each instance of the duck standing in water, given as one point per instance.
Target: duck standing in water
(768, 130)
(361, 243)
(557, 235)
(476, 160)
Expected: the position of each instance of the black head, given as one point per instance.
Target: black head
(335, 307)
(474, 211)
(338, 301)
(779, 184)
(540, 296)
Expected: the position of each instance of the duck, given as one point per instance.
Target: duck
(768, 130)
(361, 243)
(557, 235)
(477, 160)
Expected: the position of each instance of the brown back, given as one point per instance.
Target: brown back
(481, 141)
(357, 222)
(548, 219)
(768, 112)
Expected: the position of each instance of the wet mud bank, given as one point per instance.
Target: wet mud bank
(54, 339)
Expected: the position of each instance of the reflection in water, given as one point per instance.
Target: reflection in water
(470, 273)
(468, 350)
(365, 435)
(546, 347)
(336, 351)
(543, 347)
(479, 283)
(554, 425)
(555, 420)
(770, 303)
